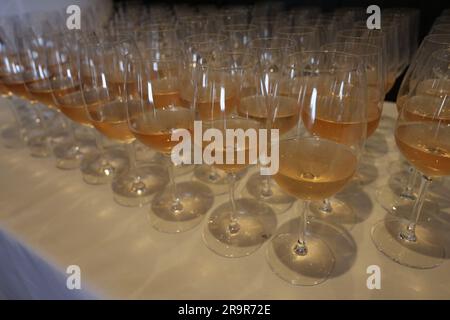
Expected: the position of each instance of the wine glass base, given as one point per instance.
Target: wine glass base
(215, 178)
(195, 199)
(98, 168)
(301, 270)
(57, 138)
(69, 154)
(340, 213)
(256, 224)
(38, 145)
(135, 187)
(12, 137)
(401, 206)
(424, 253)
(276, 197)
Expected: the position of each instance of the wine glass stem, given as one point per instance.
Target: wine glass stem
(176, 203)
(40, 118)
(408, 190)
(131, 155)
(326, 206)
(234, 224)
(266, 191)
(69, 125)
(99, 142)
(409, 234)
(300, 247)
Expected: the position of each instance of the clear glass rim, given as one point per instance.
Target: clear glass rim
(209, 36)
(432, 38)
(174, 56)
(296, 30)
(245, 27)
(251, 44)
(250, 62)
(156, 27)
(357, 60)
(367, 45)
(110, 41)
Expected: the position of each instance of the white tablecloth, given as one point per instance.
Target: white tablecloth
(50, 219)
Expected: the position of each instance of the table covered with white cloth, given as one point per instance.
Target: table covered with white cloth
(50, 219)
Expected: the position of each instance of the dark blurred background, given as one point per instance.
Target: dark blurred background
(429, 11)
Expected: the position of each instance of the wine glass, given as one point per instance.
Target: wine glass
(200, 49)
(161, 35)
(15, 76)
(103, 88)
(321, 158)
(156, 115)
(99, 167)
(422, 136)
(335, 210)
(413, 15)
(12, 134)
(270, 54)
(400, 198)
(201, 46)
(53, 80)
(62, 62)
(401, 21)
(239, 227)
(266, 26)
